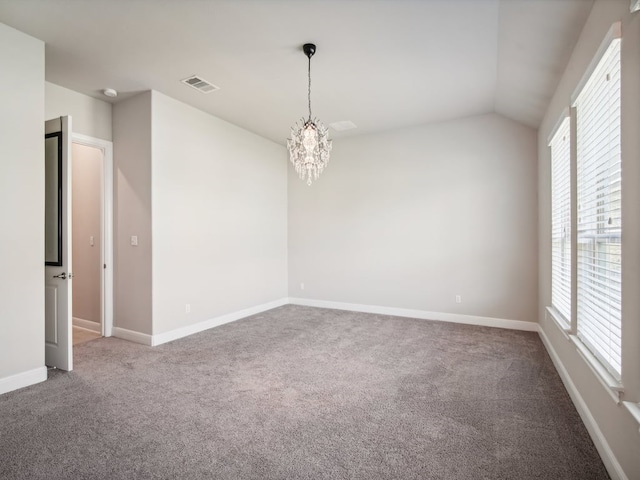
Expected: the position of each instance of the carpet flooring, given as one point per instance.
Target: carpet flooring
(303, 393)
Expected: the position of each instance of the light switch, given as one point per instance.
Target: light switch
(134, 240)
(91, 240)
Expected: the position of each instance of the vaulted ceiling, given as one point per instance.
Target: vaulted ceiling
(382, 64)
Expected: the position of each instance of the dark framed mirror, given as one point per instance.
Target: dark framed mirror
(53, 199)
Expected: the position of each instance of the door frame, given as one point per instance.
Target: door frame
(107, 226)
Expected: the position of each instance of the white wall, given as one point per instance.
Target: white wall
(617, 430)
(21, 209)
(87, 222)
(411, 218)
(219, 217)
(132, 213)
(91, 116)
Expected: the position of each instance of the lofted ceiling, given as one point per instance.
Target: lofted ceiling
(382, 64)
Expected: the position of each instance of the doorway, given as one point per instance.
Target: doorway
(58, 222)
(91, 238)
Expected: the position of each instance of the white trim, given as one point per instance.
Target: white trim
(566, 113)
(182, 332)
(421, 314)
(107, 225)
(614, 33)
(634, 409)
(107, 239)
(24, 379)
(87, 325)
(608, 458)
(612, 386)
(131, 336)
(161, 338)
(559, 320)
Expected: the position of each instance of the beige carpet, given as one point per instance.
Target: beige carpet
(303, 393)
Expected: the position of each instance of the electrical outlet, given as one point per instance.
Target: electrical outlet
(187, 308)
(134, 240)
(458, 298)
(301, 286)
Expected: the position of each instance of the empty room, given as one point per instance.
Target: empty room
(320, 239)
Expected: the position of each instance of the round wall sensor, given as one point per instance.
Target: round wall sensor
(110, 92)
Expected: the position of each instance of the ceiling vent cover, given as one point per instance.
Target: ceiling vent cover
(342, 125)
(200, 84)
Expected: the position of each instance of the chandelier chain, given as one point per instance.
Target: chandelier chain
(309, 91)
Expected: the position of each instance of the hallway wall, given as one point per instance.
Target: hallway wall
(87, 234)
(91, 116)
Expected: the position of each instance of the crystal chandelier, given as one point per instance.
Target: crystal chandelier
(309, 145)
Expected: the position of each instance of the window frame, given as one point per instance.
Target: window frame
(596, 323)
(612, 384)
(564, 127)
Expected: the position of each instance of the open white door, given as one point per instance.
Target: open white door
(58, 328)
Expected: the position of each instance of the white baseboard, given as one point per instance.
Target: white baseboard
(181, 332)
(87, 324)
(421, 314)
(24, 379)
(608, 458)
(130, 335)
(159, 339)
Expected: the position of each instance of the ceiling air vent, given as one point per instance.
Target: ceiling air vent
(342, 125)
(200, 84)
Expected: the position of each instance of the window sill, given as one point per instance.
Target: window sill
(634, 410)
(613, 387)
(559, 320)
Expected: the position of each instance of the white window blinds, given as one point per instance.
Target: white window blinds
(561, 221)
(599, 303)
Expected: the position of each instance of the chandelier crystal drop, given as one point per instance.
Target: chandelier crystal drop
(309, 145)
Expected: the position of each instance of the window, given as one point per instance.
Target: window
(561, 221)
(599, 223)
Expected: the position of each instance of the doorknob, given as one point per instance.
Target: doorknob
(63, 276)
